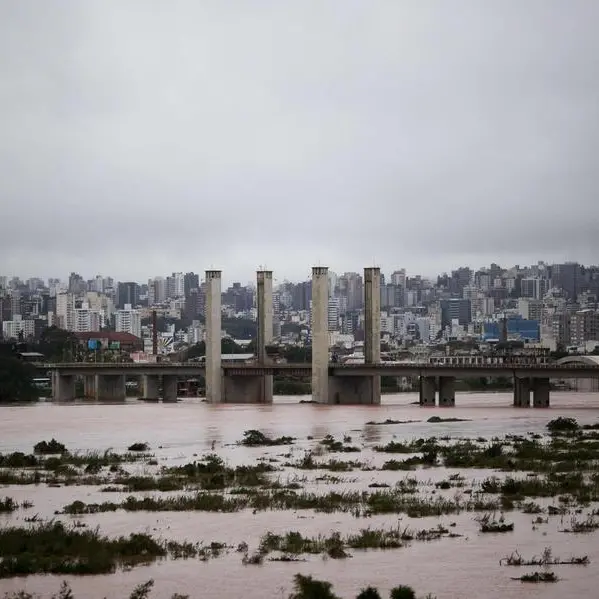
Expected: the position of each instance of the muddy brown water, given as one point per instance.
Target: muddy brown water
(460, 568)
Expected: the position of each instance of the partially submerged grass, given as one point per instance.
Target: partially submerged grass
(54, 549)
(333, 445)
(546, 559)
(400, 499)
(255, 438)
(336, 545)
(8, 505)
(488, 524)
(390, 421)
(49, 447)
(538, 577)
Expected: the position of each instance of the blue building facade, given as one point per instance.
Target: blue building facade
(519, 328)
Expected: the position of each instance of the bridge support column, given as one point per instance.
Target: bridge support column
(447, 391)
(63, 387)
(265, 326)
(213, 337)
(89, 386)
(372, 328)
(110, 386)
(355, 390)
(149, 386)
(320, 334)
(246, 389)
(540, 393)
(169, 388)
(521, 393)
(428, 390)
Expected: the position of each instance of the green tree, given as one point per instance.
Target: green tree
(58, 345)
(369, 593)
(306, 587)
(296, 354)
(240, 328)
(402, 592)
(228, 346)
(16, 380)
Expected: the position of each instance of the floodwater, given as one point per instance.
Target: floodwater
(450, 568)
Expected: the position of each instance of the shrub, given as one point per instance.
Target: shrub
(369, 593)
(138, 446)
(402, 592)
(49, 447)
(562, 424)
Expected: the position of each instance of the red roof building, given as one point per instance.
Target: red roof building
(111, 340)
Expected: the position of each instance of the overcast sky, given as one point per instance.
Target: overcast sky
(143, 137)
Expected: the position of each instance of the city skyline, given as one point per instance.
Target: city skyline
(453, 133)
(280, 279)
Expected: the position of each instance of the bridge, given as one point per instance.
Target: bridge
(332, 383)
(107, 380)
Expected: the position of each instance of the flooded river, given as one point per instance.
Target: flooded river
(466, 567)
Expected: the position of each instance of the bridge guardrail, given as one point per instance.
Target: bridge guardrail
(306, 366)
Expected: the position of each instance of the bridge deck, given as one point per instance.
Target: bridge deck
(408, 369)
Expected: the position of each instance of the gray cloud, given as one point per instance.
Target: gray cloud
(140, 137)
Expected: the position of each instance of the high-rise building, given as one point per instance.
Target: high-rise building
(127, 293)
(175, 285)
(534, 288)
(567, 277)
(190, 281)
(65, 308)
(398, 278)
(86, 320)
(456, 309)
(192, 304)
(584, 326)
(333, 314)
(128, 320)
(156, 290)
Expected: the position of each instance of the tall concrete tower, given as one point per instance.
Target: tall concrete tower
(372, 327)
(265, 312)
(213, 336)
(372, 315)
(265, 326)
(320, 334)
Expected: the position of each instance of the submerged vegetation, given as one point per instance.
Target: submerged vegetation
(304, 587)
(53, 548)
(254, 438)
(550, 475)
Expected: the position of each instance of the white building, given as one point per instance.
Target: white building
(333, 314)
(11, 329)
(128, 321)
(387, 323)
(65, 309)
(86, 320)
(398, 278)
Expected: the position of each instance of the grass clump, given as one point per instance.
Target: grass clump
(255, 438)
(538, 577)
(51, 548)
(8, 505)
(49, 447)
(338, 446)
(390, 421)
(562, 424)
(138, 446)
(488, 524)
